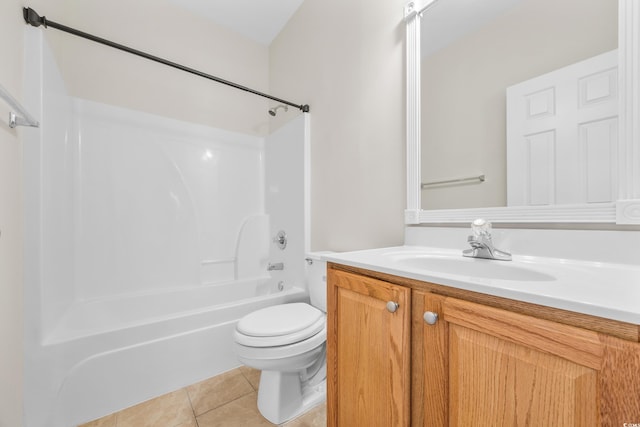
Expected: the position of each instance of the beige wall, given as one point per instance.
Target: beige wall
(463, 90)
(10, 223)
(346, 60)
(158, 27)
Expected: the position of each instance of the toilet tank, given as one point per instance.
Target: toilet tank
(317, 279)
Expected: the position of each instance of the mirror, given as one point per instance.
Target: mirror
(470, 52)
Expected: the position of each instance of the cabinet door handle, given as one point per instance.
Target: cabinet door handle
(392, 306)
(430, 317)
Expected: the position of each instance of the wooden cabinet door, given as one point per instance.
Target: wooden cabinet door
(430, 362)
(510, 369)
(479, 365)
(368, 352)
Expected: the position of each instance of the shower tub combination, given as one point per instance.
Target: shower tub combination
(147, 239)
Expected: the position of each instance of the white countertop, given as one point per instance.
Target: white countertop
(600, 289)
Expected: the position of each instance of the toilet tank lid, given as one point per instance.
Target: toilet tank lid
(277, 320)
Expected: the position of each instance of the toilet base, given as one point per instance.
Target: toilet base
(281, 395)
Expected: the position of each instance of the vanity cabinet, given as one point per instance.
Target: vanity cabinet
(368, 367)
(471, 363)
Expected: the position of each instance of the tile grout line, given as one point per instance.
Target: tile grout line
(193, 411)
(248, 380)
(241, 374)
(227, 403)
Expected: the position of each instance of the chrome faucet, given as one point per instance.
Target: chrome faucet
(276, 266)
(482, 244)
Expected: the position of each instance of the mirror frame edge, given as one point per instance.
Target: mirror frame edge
(625, 210)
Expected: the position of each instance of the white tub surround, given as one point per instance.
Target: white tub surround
(589, 272)
(146, 240)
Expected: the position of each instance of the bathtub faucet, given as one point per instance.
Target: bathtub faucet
(276, 266)
(482, 244)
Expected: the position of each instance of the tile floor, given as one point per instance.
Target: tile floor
(226, 400)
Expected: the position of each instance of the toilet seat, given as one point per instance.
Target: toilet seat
(311, 346)
(279, 325)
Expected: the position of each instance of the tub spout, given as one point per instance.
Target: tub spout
(275, 266)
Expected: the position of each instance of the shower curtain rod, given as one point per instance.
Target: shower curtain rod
(31, 17)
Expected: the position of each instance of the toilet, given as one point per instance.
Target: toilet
(287, 342)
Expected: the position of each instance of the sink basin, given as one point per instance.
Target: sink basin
(473, 267)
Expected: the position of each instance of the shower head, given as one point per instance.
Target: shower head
(274, 110)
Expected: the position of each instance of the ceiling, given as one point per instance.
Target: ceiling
(259, 20)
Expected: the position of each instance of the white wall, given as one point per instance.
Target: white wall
(463, 90)
(346, 60)
(11, 300)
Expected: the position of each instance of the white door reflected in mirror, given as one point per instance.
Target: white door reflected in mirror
(562, 134)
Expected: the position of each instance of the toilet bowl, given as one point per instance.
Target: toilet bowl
(287, 342)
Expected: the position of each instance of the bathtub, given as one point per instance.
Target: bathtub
(109, 354)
